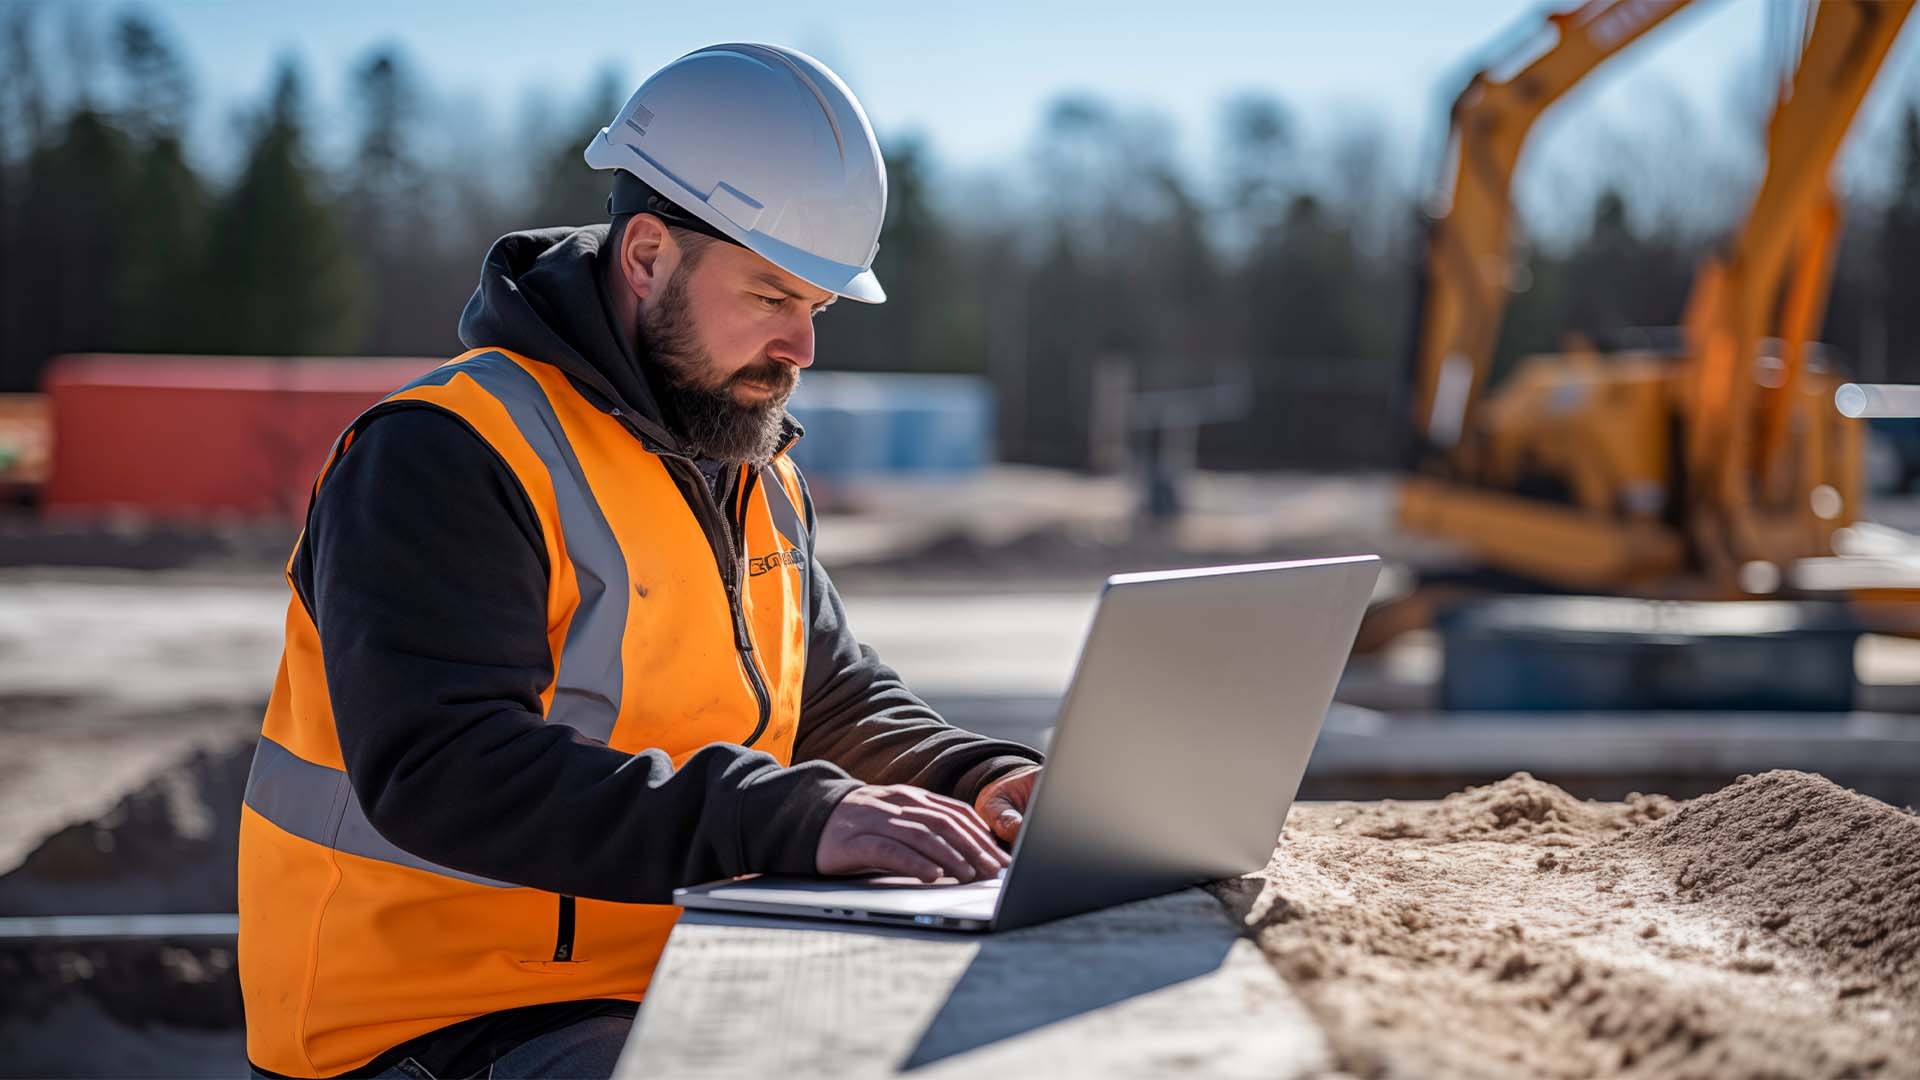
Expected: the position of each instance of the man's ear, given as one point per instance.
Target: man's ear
(645, 254)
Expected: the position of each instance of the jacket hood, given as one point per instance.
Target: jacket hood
(541, 295)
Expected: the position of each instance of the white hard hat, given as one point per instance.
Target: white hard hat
(769, 148)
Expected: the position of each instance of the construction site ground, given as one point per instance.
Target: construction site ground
(135, 661)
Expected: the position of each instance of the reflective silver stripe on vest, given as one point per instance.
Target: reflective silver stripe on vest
(588, 686)
(788, 519)
(786, 516)
(317, 803)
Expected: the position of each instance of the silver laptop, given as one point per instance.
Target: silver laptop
(1181, 741)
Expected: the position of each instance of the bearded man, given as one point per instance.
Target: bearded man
(558, 643)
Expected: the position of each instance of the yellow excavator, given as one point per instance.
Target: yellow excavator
(1707, 471)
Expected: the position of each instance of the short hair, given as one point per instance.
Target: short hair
(693, 244)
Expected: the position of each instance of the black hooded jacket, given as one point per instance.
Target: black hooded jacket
(424, 569)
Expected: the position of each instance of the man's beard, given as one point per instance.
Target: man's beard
(714, 425)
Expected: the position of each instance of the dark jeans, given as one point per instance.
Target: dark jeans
(586, 1049)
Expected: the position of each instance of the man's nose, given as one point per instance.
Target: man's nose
(795, 346)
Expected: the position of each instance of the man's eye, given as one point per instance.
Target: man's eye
(772, 303)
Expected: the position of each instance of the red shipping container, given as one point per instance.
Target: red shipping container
(195, 437)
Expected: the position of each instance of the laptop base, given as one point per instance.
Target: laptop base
(889, 901)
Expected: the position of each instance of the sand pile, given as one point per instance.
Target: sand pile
(1517, 808)
(1768, 929)
(1812, 866)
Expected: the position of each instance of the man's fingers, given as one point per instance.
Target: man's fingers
(947, 801)
(902, 829)
(894, 857)
(1002, 816)
(965, 816)
(936, 844)
(1006, 822)
(1005, 808)
(981, 854)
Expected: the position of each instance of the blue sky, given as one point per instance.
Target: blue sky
(974, 79)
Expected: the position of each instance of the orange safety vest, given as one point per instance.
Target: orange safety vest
(349, 945)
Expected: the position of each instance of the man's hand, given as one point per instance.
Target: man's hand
(900, 829)
(1003, 803)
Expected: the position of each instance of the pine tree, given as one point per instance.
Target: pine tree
(929, 322)
(71, 237)
(415, 291)
(10, 133)
(160, 308)
(566, 191)
(59, 224)
(282, 278)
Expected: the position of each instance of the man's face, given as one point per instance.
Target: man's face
(731, 331)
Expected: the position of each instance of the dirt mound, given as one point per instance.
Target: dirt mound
(1513, 930)
(1519, 808)
(1820, 868)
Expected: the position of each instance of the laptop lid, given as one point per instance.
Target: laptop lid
(1185, 731)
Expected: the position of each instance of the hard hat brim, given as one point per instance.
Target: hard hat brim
(865, 288)
(841, 279)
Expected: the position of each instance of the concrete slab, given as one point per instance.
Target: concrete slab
(1155, 988)
(140, 640)
(1226, 513)
(109, 680)
(1605, 755)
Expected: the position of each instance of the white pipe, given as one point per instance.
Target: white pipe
(1866, 401)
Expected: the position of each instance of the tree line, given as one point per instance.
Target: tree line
(1102, 268)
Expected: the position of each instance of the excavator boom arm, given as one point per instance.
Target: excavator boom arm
(1772, 278)
(1465, 269)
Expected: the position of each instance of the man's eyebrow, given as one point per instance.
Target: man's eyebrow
(772, 282)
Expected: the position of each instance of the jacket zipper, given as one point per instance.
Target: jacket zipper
(739, 608)
(727, 552)
(563, 941)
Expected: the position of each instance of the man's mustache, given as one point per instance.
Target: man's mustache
(772, 375)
